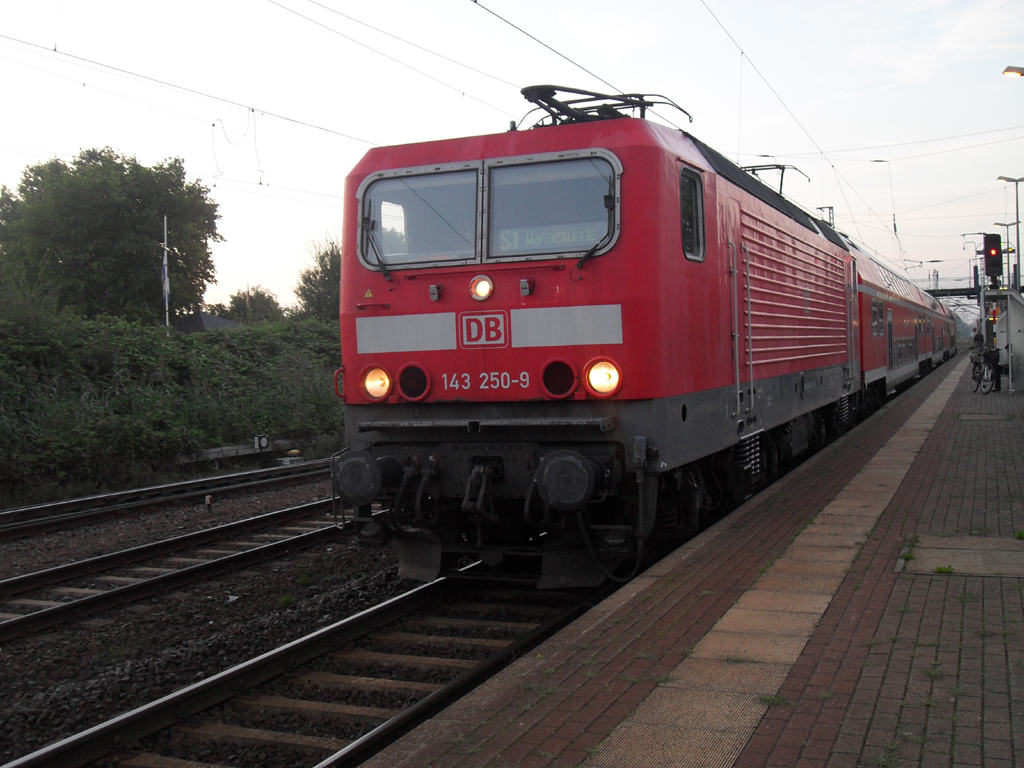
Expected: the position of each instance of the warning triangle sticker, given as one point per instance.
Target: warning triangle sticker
(367, 295)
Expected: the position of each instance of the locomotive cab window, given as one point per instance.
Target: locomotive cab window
(551, 208)
(419, 219)
(691, 207)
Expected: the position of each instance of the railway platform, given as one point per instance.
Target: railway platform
(866, 610)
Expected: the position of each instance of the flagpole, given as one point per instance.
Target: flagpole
(166, 282)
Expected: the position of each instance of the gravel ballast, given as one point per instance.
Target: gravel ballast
(55, 685)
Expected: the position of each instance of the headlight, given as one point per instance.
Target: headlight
(376, 383)
(481, 287)
(603, 377)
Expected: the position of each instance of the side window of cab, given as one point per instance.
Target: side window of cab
(691, 209)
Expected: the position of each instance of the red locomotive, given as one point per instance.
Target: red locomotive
(559, 343)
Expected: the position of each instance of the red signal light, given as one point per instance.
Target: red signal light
(993, 255)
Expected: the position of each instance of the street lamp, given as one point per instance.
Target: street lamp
(1014, 71)
(1016, 195)
(1006, 232)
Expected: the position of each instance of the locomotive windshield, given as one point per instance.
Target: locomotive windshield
(564, 207)
(420, 219)
(546, 206)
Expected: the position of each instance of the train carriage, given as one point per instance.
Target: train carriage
(560, 342)
(905, 332)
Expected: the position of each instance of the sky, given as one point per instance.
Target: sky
(270, 103)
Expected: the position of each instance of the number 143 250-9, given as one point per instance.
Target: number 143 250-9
(487, 380)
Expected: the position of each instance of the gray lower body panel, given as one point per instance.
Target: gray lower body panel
(683, 428)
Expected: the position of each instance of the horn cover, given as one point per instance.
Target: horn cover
(357, 478)
(565, 480)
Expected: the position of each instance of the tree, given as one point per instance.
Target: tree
(253, 305)
(220, 310)
(91, 233)
(319, 288)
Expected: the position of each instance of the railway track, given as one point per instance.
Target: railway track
(338, 695)
(39, 518)
(40, 600)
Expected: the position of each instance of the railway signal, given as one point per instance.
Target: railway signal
(993, 255)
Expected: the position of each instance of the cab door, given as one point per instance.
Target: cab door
(737, 265)
(852, 347)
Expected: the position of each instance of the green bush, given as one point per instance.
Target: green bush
(97, 402)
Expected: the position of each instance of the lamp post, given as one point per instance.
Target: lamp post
(973, 275)
(1014, 71)
(1016, 195)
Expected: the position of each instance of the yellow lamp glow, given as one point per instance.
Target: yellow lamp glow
(603, 377)
(377, 383)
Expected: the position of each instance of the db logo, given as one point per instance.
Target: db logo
(483, 330)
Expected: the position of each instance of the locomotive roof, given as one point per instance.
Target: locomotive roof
(580, 106)
(725, 167)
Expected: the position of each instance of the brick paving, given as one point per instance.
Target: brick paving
(901, 670)
(920, 669)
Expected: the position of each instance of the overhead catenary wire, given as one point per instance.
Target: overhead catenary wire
(414, 45)
(545, 45)
(841, 180)
(763, 78)
(851, 217)
(615, 89)
(250, 121)
(390, 58)
(217, 176)
(91, 86)
(900, 159)
(800, 125)
(906, 143)
(261, 191)
(953, 200)
(186, 89)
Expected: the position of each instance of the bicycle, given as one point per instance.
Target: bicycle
(978, 359)
(983, 373)
(987, 378)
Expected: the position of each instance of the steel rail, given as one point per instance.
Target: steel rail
(121, 731)
(43, 517)
(386, 733)
(17, 584)
(49, 617)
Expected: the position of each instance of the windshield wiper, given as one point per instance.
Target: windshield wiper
(589, 254)
(609, 204)
(369, 226)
